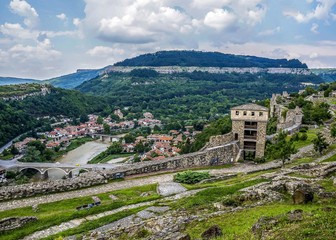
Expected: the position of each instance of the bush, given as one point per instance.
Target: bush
(295, 137)
(190, 177)
(303, 129)
(260, 160)
(304, 137)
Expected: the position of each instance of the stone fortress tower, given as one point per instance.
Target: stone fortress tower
(249, 129)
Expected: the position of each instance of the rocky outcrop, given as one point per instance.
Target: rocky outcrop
(15, 222)
(212, 232)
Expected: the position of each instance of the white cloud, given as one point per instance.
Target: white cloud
(16, 31)
(313, 55)
(322, 11)
(76, 22)
(270, 32)
(314, 28)
(102, 51)
(23, 9)
(62, 16)
(220, 19)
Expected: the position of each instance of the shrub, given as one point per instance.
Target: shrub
(304, 137)
(260, 160)
(190, 177)
(303, 129)
(295, 137)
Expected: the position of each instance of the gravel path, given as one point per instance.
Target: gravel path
(332, 153)
(239, 168)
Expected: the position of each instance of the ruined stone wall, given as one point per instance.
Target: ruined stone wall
(219, 140)
(219, 155)
(15, 222)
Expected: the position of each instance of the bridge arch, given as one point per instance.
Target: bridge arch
(37, 169)
(57, 168)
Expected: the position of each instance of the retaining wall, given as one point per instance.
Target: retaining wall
(214, 156)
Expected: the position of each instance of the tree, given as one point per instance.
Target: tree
(14, 150)
(320, 143)
(84, 118)
(281, 149)
(114, 148)
(286, 150)
(100, 120)
(107, 129)
(129, 138)
(141, 148)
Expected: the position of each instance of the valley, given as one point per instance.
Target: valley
(192, 141)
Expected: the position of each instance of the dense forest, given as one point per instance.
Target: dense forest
(207, 59)
(17, 117)
(185, 96)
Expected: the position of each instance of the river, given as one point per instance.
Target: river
(80, 155)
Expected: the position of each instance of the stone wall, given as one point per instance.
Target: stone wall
(15, 222)
(219, 140)
(214, 156)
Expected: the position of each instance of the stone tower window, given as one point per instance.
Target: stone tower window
(245, 113)
(260, 114)
(237, 112)
(252, 113)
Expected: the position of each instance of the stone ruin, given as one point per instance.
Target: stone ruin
(288, 119)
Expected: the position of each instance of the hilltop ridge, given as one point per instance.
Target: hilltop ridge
(207, 59)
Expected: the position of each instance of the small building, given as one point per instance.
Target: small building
(249, 129)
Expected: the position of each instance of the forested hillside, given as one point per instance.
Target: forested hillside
(11, 80)
(17, 116)
(327, 74)
(194, 95)
(208, 59)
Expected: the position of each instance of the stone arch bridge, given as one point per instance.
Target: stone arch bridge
(68, 169)
(106, 138)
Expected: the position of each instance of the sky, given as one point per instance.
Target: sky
(47, 38)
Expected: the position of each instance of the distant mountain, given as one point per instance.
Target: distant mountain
(208, 59)
(12, 80)
(74, 79)
(327, 74)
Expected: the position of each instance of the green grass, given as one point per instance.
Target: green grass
(110, 157)
(75, 143)
(328, 185)
(238, 225)
(331, 159)
(7, 157)
(205, 198)
(300, 161)
(51, 214)
(231, 181)
(311, 134)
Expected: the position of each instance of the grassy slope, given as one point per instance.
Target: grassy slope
(51, 214)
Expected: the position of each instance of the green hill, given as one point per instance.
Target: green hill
(11, 81)
(207, 59)
(19, 116)
(73, 80)
(190, 95)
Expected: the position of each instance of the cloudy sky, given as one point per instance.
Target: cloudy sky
(46, 38)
